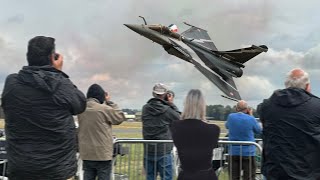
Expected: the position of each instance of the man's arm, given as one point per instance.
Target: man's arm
(70, 97)
(114, 114)
(175, 108)
(256, 127)
(174, 112)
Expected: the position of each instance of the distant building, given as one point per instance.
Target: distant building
(130, 117)
(138, 116)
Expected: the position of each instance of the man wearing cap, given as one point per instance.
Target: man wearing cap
(157, 116)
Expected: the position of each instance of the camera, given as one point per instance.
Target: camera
(168, 94)
(166, 98)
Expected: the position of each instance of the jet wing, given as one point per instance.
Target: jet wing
(242, 55)
(226, 84)
(200, 36)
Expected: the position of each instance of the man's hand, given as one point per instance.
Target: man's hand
(107, 96)
(250, 111)
(170, 98)
(57, 63)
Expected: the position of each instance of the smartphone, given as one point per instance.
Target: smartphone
(56, 56)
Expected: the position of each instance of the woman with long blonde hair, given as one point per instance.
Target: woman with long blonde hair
(195, 139)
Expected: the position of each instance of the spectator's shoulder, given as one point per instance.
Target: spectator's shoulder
(214, 126)
(252, 118)
(231, 115)
(214, 129)
(104, 106)
(10, 77)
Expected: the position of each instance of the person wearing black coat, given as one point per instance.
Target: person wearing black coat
(38, 104)
(291, 131)
(195, 139)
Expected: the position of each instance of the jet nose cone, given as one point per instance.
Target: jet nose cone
(134, 27)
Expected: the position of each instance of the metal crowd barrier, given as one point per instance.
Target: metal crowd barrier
(129, 158)
(133, 161)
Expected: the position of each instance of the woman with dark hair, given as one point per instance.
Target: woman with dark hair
(195, 139)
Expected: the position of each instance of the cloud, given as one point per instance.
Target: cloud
(17, 19)
(98, 48)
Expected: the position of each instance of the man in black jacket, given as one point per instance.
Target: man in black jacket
(38, 104)
(291, 131)
(157, 116)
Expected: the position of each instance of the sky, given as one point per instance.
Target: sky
(98, 48)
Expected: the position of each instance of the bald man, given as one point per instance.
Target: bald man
(291, 130)
(242, 127)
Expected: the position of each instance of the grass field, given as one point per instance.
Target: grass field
(1, 123)
(133, 129)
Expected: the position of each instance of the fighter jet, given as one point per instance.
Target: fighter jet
(195, 43)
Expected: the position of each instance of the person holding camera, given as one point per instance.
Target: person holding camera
(95, 133)
(242, 126)
(157, 116)
(38, 104)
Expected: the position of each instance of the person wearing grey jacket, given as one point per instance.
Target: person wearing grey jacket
(157, 116)
(95, 133)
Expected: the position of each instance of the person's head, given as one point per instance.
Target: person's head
(298, 78)
(159, 90)
(194, 106)
(40, 51)
(242, 106)
(97, 92)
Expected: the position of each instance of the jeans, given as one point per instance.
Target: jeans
(100, 169)
(161, 164)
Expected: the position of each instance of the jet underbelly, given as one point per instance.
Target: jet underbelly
(193, 55)
(217, 64)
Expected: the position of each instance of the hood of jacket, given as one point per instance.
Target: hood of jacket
(46, 78)
(290, 97)
(156, 106)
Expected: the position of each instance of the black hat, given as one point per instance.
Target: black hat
(97, 92)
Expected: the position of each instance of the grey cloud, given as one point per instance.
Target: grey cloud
(19, 18)
(98, 48)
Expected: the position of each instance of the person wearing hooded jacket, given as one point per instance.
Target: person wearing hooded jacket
(95, 133)
(38, 104)
(291, 130)
(157, 116)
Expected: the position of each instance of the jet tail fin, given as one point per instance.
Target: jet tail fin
(244, 54)
(200, 36)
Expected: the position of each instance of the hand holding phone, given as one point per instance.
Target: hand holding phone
(57, 61)
(56, 56)
(169, 97)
